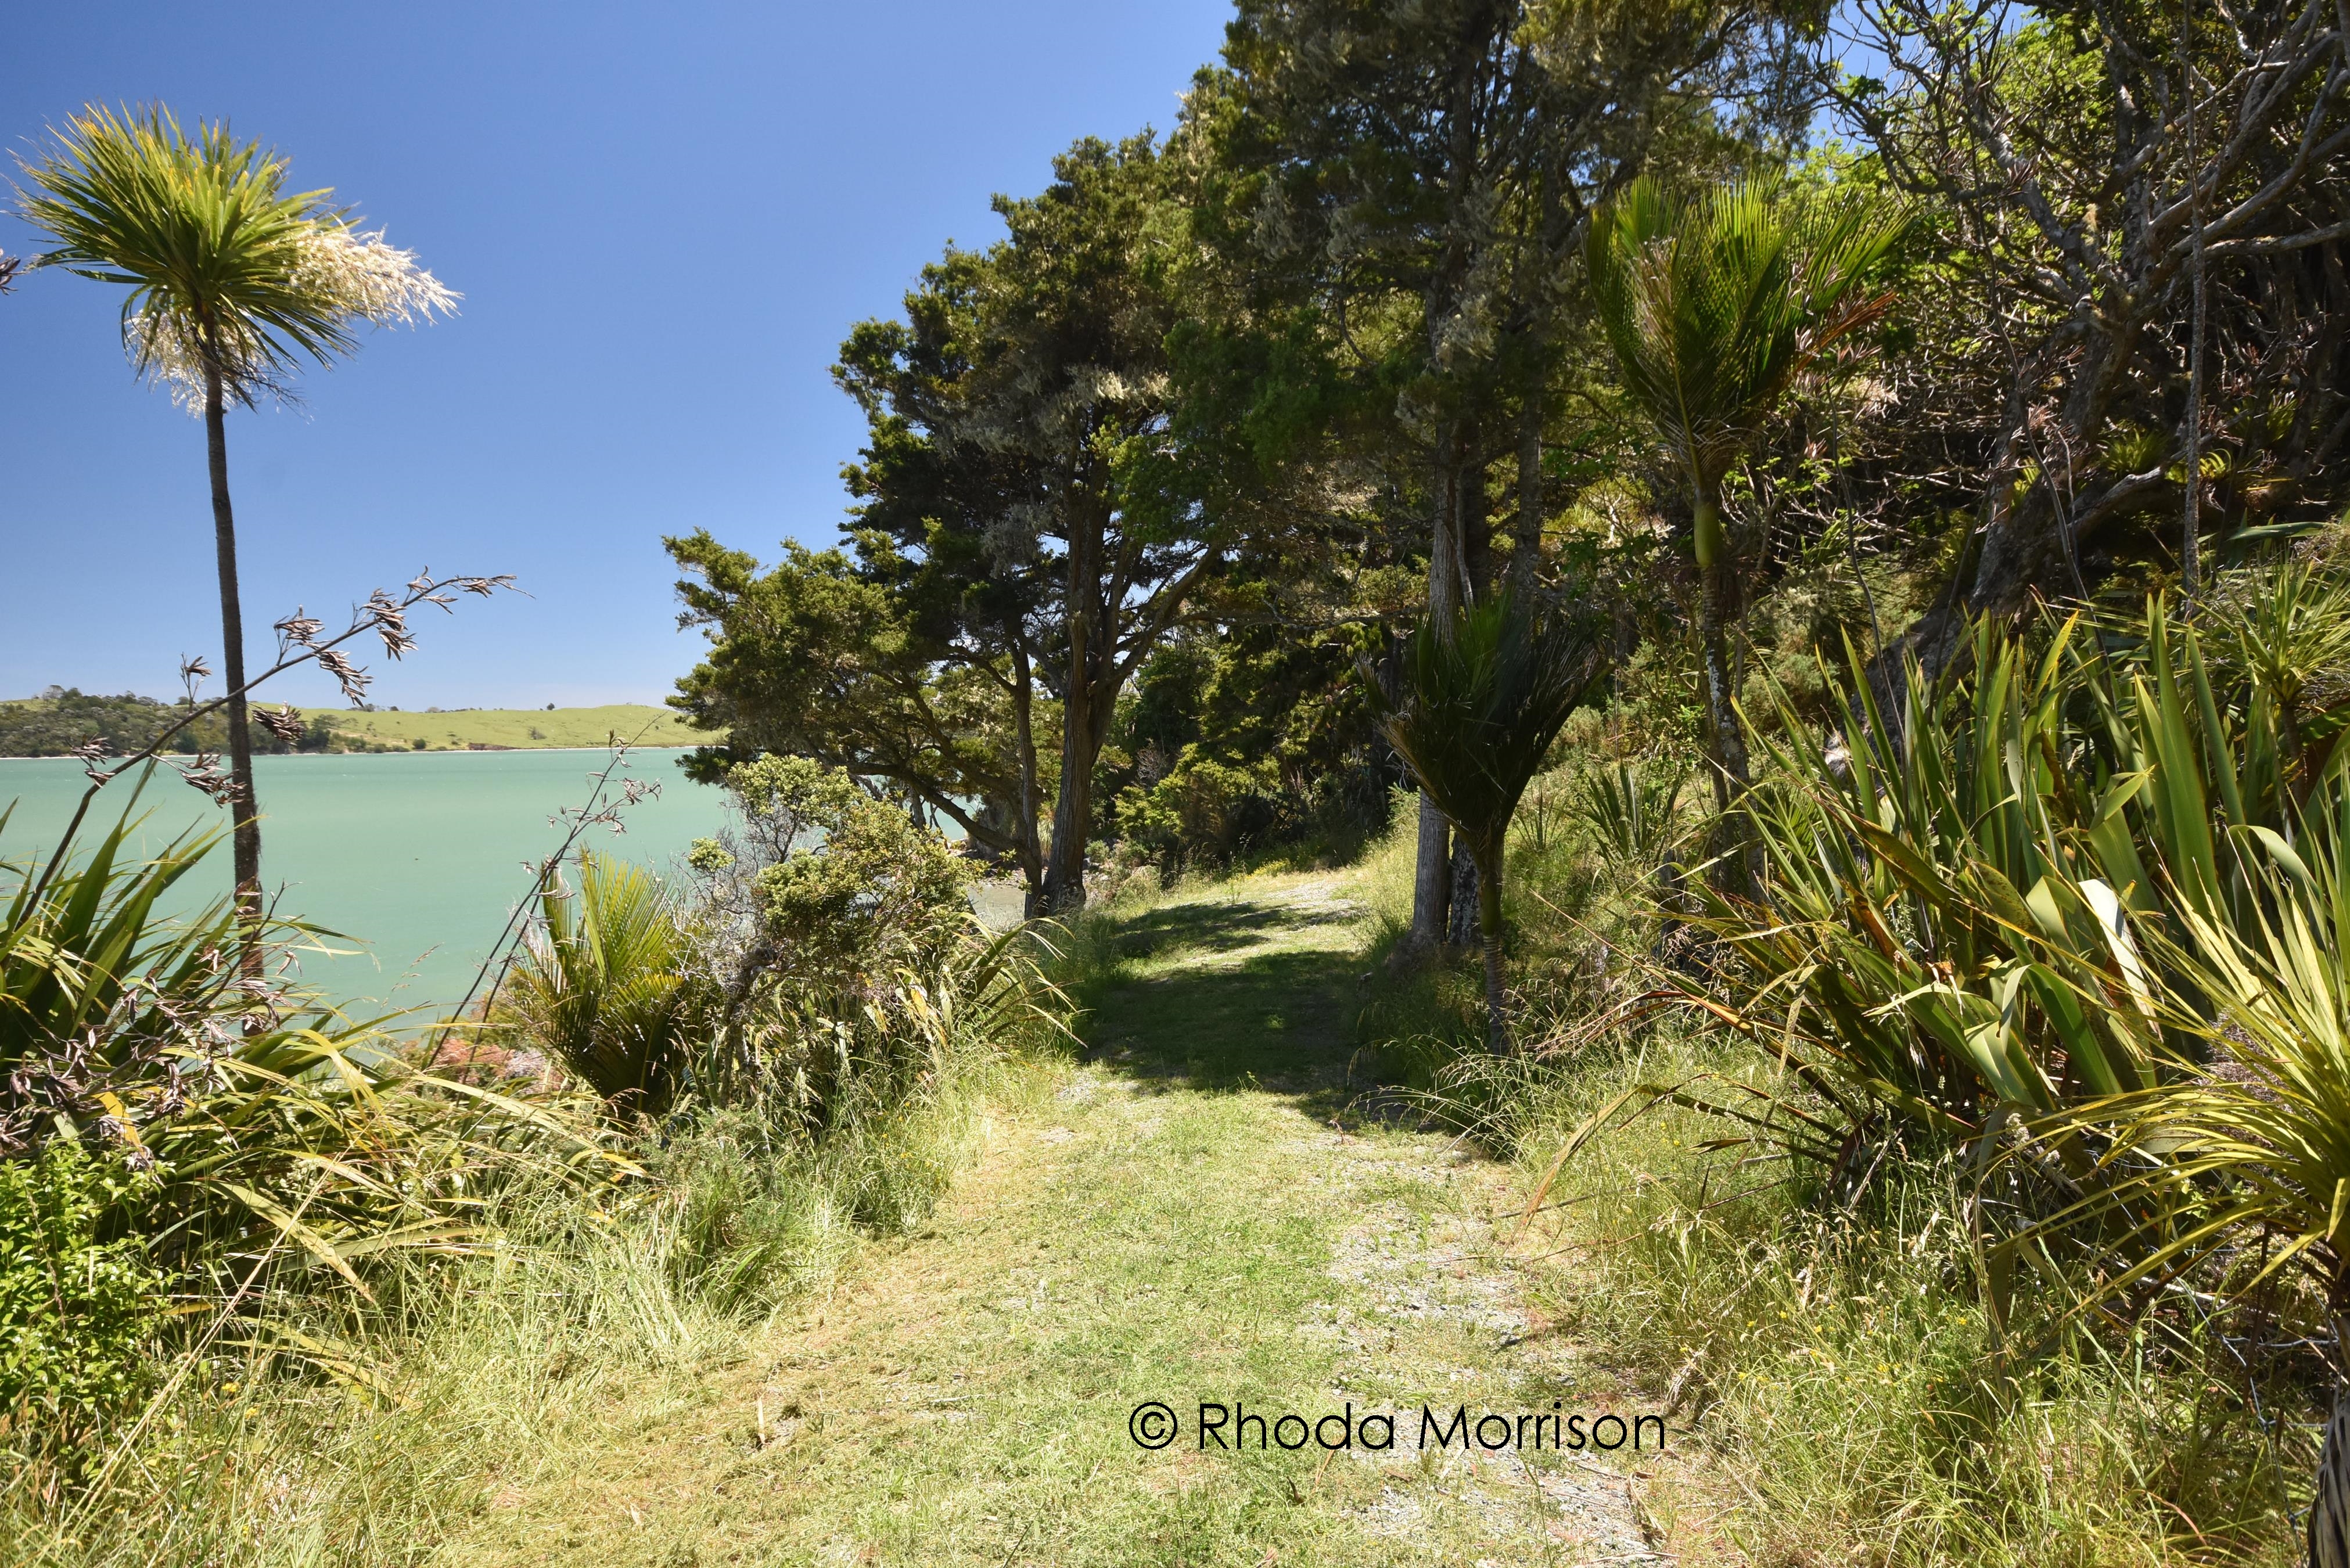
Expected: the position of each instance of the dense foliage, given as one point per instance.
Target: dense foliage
(77, 1310)
(1823, 387)
(62, 719)
(1836, 577)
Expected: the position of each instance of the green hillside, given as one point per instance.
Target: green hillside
(520, 727)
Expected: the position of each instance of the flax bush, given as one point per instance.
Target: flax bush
(1969, 1191)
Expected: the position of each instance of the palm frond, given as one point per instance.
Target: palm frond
(230, 274)
(1473, 706)
(603, 984)
(1715, 303)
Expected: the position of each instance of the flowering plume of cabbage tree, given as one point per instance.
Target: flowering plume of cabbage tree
(353, 277)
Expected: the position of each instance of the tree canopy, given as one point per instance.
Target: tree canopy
(1381, 327)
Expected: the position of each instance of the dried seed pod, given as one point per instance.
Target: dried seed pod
(283, 721)
(300, 629)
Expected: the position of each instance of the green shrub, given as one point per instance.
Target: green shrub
(876, 892)
(76, 1312)
(1203, 809)
(603, 986)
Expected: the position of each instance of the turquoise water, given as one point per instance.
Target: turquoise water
(418, 858)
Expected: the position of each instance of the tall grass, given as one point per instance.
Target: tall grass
(338, 1429)
(1824, 1330)
(412, 1291)
(476, 1372)
(1835, 1361)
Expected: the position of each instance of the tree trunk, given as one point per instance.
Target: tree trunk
(2329, 1510)
(1461, 931)
(1431, 899)
(1431, 881)
(1088, 697)
(1489, 919)
(1023, 728)
(243, 809)
(1717, 608)
(1525, 552)
(1472, 581)
(1065, 872)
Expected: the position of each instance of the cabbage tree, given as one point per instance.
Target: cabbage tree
(1714, 305)
(234, 283)
(1472, 707)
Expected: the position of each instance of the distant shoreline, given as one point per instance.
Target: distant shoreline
(410, 751)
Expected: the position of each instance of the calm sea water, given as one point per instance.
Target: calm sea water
(418, 858)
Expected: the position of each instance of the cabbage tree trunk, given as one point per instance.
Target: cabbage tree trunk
(1725, 739)
(1489, 921)
(2329, 1510)
(244, 813)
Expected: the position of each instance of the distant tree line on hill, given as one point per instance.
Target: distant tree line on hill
(63, 716)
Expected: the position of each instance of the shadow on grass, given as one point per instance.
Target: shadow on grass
(1212, 929)
(1254, 994)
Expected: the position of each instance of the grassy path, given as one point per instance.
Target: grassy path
(1195, 1215)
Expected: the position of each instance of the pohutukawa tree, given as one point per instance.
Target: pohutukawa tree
(234, 282)
(1027, 530)
(1714, 305)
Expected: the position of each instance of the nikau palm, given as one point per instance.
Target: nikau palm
(234, 282)
(1472, 707)
(1714, 305)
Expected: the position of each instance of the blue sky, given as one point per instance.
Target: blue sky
(663, 220)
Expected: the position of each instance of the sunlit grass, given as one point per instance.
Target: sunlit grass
(522, 728)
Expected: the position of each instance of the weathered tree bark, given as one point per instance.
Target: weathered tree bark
(1525, 547)
(1718, 605)
(1431, 886)
(1031, 851)
(1460, 930)
(244, 813)
(1431, 881)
